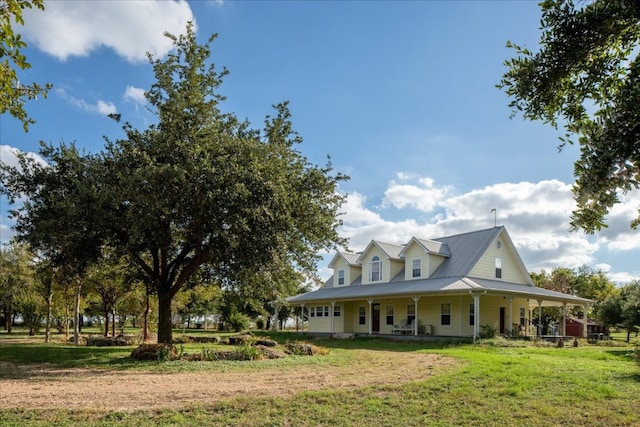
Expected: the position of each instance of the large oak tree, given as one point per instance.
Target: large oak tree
(586, 77)
(197, 192)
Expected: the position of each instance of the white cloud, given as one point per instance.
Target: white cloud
(535, 214)
(130, 28)
(100, 107)
(9, 156)
(135, 94)
(423, 195)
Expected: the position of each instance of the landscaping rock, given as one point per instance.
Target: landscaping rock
(240, 339)
(266, 342)
(271, 353)
(199, 339)
(154, 352)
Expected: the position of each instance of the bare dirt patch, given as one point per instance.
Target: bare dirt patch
(47, 387)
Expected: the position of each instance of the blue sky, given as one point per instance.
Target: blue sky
(400, 94)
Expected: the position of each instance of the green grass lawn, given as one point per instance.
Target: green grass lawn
(497, 383)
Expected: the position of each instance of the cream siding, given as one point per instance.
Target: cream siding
(511, 270)
(390, 268)
(351, 272)
(395, 267)
(415, 251)
(434, 262)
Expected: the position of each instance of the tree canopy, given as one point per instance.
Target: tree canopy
(14, 94)
(197, 192)
(585, 77)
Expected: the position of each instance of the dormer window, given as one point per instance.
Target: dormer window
(340, 277)
(375, 269)
(416, 270)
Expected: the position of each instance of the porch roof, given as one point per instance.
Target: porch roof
(435, 286)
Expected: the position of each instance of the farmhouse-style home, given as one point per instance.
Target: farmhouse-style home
(448, 286)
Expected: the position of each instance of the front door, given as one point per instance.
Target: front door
(375, 318)
(502, 319)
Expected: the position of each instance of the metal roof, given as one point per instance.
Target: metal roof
(390, 250)
(451, 276)
(466, 249)
(425, 287)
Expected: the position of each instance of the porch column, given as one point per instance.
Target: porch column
(415, 323)
(539, 332)
(476, 315)
(333, 304)
(564, 319)
(370, 301)
(510, 316)
(584, 321)
(302, 316)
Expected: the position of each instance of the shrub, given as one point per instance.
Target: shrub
(247, 352)
(488, 331)
(260, 323)
(306, 349)
(238, 322)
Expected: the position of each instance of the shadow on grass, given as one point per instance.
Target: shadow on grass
(67, 356)
(365, 342)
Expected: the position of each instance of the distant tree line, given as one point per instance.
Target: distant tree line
(616, 306)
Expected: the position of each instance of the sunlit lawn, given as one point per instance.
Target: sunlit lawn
(497, 383)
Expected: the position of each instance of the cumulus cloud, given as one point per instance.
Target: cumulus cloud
(424, 195)
(535, 214)
(101, 107)
(130, 28)
(9, 156)
(135, 95)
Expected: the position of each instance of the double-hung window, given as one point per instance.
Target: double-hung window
(416, 270)
(362, 316)
(445, 313)
(336, 311)
(472, 314)
(498, 268)
(389, 315)
(411, 313)
(375, 269)
(340, 277)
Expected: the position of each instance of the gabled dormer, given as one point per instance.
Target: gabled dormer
(422, 257)
(380, 262)
(345, 268)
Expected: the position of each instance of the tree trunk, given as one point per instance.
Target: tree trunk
(113, 320)
(164, 317)
(106, 320)
(47, 327)
(8, 324)
(147, 310)
(76, 313)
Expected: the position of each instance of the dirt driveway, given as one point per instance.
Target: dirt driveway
(46, 387)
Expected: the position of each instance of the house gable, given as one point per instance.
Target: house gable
(422, 258)
(380, 262)
(345, 269)
(500, 261)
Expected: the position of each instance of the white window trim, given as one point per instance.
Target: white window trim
(378, 262)
(450, 315)
(419, 268)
